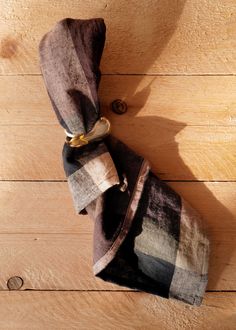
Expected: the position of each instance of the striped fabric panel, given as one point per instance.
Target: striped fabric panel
(191, 266)
(90, 172)
(172, 247)
(72, 82)
(91, 180)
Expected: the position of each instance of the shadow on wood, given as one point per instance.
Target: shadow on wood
(142, 27)
(144, 129)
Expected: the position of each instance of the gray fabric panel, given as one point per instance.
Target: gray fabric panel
(157, 269)
(75, 158)
(193, 249)
(188, 286)
(156, 242)
(91, 180)
(91, 153)
(162, 205)
(63, 72)
(84, 193)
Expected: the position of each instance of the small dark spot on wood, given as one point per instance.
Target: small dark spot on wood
(8, 47)
(119, 106)
(15, 283)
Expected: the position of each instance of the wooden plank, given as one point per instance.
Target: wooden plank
(181, 152)
(181, 37)
(214, 200)
(175, 152)
(42, 210)
(42, 213)
(49, 262)
(24, 100)
(184, 100)
(117, 310)
(31, 153)
(64, 261)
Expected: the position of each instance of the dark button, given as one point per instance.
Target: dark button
(119, 107)
(15, 283)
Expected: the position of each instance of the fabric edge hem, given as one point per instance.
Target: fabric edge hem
(110, 254)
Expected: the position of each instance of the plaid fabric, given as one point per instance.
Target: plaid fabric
(71, 73)
(145, 235)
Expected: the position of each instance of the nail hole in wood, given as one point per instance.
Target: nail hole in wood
(15, 283)
(119, 106)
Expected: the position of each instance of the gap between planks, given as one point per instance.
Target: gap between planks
(53, 180)
(105, 290)
(138, 74)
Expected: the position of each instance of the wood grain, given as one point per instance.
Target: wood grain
(36, 207)
(181, 100)
(24, 100)
(219, 215)
(182, 152)
(167, 37)
(175, 152)
(49, 262)
(180, 120)
(210, 199)
(64, 261)
(184, 124)
(214, 201)
(116, 310)
(31, 153)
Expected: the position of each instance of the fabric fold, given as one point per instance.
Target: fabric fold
(145, 235)
(70, 55)
(90, 172)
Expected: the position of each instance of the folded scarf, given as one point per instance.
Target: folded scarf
(146, 236)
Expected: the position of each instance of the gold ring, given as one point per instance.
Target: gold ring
(101, 129)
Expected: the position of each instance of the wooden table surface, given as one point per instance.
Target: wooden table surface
(174, 63)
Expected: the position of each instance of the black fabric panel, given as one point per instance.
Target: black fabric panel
(124, 269)
(72, 156)
(160, 203)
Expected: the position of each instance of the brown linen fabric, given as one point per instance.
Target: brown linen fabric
(145, 235)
